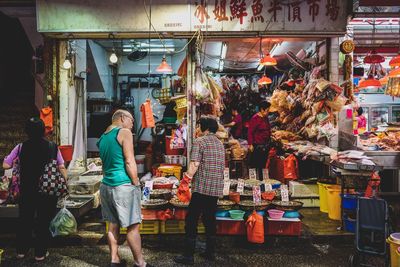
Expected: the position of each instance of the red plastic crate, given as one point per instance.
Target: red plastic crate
(180, 214)
(149, 214)
(292, 228)
(231, 228)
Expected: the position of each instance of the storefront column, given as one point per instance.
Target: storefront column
(64, 85)
(191, 95)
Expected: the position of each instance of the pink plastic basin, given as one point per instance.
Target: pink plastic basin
(275, 214)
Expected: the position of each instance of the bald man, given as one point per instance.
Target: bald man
(120, 192)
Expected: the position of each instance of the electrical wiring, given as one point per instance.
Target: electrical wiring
(159, 35)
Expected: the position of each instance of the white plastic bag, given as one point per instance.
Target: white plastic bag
(64, 223)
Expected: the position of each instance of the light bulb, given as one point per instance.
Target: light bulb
(67, 64)
(113, 58)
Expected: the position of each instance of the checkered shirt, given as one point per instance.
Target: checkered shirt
(209, 178)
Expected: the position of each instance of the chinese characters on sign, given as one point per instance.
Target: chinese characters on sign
(253, 10)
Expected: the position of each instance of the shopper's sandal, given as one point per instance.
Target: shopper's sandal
(122, 263)
(40, 259)
(147, 265)
(20, 256)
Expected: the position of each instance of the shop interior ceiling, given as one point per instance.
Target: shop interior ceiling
(237, 53)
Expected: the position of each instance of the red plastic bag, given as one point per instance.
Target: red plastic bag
(373, 185)
(184, 194)
(291, 168)
(255, 228)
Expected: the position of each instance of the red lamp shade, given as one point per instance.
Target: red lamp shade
(264, 80)
(164, 67)
(373, 58)
(395, 62)
(394, 73)
(267, 60)
(369, 83)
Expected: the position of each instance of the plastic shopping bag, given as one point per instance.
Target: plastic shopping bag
(184, 194)
(255, 228)
(291, 168)
(64, 223)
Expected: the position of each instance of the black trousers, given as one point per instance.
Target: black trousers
(258, 159)
(35, 213)
(203, 205)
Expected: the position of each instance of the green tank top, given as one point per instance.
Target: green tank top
(111, 154)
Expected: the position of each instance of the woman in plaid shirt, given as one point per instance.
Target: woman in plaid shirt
(207, 169)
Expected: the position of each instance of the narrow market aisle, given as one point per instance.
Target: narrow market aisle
(297, 254)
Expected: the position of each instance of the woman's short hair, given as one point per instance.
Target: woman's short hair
(207, 123)
(360, 111)
(264, 105)
(34, 128)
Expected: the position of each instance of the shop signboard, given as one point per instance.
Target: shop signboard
(379, 3)
(272, 16)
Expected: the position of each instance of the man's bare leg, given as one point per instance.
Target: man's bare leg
(112, 237)
(135, 244)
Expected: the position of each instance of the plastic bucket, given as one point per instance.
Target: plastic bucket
(333, 197)
(323, 201)
(140, 163)
(394, 247)
(350, 201)
(66, 152)
(349, 224)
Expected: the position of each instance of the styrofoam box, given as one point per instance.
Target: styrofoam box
(303, 190)
(308, 202)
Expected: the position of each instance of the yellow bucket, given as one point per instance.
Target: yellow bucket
(334, 202)
(394, 252)
(323, 202)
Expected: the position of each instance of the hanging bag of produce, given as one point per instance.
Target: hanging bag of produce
(51, 182)
(46, 115)
(63, 224)
(291, 168)
(255, 228)
(184, 194)
(14, 188)
(147, 115)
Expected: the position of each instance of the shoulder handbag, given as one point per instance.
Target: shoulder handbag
(14, 187)
(51, 182)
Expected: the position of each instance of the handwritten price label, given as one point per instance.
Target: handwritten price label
(226, 174)
(252, 174)
(240, 186)
(227, 185)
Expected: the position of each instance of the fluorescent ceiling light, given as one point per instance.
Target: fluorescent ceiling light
(153, 50)
(147, 45)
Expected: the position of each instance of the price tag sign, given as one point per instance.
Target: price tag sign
(240, 186)
(284, 193)
(256, 194)
(92, 166)
(265, 174)
(252, 174)
(146, 194)
(149, 184)
(227, 185)
(268, 187)
(226, 174)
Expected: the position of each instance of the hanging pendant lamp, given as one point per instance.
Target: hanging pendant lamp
(264, 80)
(395, 62)
(369, 83)
(267, 60)
(164, 66)
(394, 73)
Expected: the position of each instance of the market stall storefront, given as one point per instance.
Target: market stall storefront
(223, 43)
